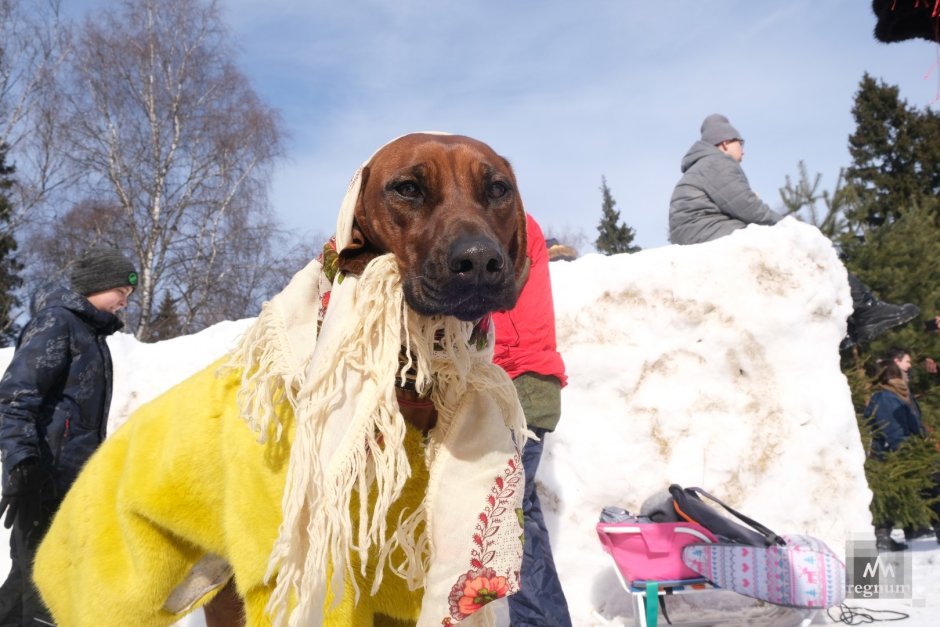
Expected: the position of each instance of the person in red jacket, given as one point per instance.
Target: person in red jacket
(525, 349)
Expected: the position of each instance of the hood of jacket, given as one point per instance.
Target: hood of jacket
(57, 295)
(699, 151)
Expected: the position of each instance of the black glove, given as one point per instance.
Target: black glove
(23, 487)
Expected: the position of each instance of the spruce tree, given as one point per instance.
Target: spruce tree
(901, 262)
(166, 324)
(895, 153)
(613, 237)
(9, 266)
(801, 199)
(890, 242)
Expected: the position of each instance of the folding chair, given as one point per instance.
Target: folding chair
(647, 558)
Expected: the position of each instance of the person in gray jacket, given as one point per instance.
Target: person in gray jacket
(713, 199)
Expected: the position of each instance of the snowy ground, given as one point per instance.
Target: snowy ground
(712, 365)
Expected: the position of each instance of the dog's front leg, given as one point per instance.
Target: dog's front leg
(417, 411)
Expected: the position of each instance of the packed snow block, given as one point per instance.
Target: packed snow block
(144, 371)
(714, 365)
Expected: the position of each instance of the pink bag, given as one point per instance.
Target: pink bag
(649, 551)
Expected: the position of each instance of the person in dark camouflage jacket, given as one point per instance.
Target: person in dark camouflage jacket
(54, 401)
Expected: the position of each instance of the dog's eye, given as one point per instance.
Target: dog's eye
(497, 190)
(408, 189)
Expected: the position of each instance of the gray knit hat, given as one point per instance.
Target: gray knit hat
(716, 129)
(101, 269)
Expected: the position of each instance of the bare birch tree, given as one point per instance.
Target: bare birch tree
(34, 44)
(169, 135)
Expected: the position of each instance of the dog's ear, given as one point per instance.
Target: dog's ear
(354, 258)
(519, 247)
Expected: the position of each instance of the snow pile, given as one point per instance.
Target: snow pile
(144, 371)
(713, 365)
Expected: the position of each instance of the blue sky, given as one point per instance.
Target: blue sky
(568, 91)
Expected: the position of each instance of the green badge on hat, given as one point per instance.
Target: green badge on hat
(132, 278)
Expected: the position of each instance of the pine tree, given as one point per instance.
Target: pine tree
(895, 151)
(901, 262)
(899, 483)
(803, 195)
(9, 266)
(166, 324)
(613, 237)
(890, 242)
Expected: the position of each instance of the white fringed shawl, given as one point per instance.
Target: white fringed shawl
(349, 435)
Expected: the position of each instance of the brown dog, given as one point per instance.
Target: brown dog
(183, 495)
(448, 207)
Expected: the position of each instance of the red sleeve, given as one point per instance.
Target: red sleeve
(525, 335)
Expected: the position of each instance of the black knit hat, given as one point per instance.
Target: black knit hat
(102, 269)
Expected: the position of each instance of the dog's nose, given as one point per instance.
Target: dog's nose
(477, 260)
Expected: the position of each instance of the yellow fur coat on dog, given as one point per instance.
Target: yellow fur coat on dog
(292, 463)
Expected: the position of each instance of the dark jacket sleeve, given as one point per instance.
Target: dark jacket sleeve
(887, 416)
(730, 190)
(39, 363)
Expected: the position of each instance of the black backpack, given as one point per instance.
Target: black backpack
(690, 506)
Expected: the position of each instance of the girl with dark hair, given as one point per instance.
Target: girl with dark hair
(893, 416)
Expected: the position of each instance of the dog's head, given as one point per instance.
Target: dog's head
(449, 209)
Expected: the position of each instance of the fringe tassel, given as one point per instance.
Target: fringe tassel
(316, 533)
(272, 373)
